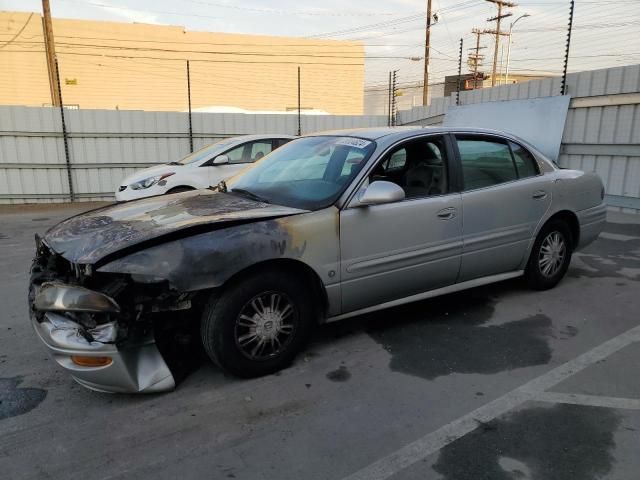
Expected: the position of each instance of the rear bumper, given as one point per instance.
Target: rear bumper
(134, 369)
(592, 222)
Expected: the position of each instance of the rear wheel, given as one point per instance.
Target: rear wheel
(257, 326)
(550, 256)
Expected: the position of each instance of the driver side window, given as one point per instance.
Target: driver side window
(418, 167)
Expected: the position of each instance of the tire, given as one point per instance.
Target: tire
(550, 256)
(230, 333)
(179, 190)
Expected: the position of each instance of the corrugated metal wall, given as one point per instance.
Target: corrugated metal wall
(107, 145)
(602, 131)
(602, 134)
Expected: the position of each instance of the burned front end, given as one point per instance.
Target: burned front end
(111, 331)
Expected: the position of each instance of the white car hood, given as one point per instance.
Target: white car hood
(151, 172)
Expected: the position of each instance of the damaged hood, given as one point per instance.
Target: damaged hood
(89, 237)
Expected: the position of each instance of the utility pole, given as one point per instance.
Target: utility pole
(497, 19)
(50, 52)
(474, 60)
(427, 46)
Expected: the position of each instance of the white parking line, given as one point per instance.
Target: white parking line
(590, 400)
(434, 441)
(618, 236)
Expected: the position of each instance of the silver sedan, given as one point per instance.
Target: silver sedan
(326, 227)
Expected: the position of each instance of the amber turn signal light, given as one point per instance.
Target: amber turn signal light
(91, 361)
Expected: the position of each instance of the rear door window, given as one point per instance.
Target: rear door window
(485, 162)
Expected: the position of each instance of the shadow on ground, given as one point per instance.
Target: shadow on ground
(563, 442)
(447, 335)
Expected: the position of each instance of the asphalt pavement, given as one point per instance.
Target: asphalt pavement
(499, 382)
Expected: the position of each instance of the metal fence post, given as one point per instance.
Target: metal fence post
(189, 97)
(65, 139)
(299, 119)
(563, 88)
(394, 105)
(459, 74)
(389, 102)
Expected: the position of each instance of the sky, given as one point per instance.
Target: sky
(605, 33)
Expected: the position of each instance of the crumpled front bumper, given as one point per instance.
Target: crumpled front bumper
(133, 369)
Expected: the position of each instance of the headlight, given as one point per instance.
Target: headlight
(150, 182)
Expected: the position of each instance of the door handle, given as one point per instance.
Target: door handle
(539, 194)
(447, 213)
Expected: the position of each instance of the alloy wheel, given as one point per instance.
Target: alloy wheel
(552, 253)
(265, 326)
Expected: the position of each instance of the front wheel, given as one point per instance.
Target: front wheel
(550, 256)
(257, 326)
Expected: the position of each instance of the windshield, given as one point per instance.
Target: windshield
(308, 173)
(206, 152)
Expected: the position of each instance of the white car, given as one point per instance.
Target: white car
(200, 169)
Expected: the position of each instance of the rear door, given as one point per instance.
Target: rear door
(504, 197)
(396, 250)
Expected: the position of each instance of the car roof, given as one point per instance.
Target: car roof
(259, 136)
(375, 133)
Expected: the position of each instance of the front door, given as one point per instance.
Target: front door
(399, 249)
(504, 197)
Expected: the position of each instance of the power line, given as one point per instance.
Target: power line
(19, 32)
(216, 52)
(192, 59)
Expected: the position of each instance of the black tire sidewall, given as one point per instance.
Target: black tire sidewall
(219, 318)
(534, 276)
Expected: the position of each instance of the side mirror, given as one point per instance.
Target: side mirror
(379, 192)
(220, 160)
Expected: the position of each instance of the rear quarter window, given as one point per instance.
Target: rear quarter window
(525, 162)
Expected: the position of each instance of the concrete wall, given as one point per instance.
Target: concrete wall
(602, 131)
(109, 65)
(105, 146)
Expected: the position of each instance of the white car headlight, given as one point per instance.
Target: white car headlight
(149, 182)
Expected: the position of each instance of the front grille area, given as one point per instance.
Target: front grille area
(147, 311)
(48, 266)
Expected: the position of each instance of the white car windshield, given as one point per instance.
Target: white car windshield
(206, 152)
(308, 173)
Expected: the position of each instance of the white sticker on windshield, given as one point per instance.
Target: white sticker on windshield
(353, 142)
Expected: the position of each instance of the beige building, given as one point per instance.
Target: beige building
(109, 65)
